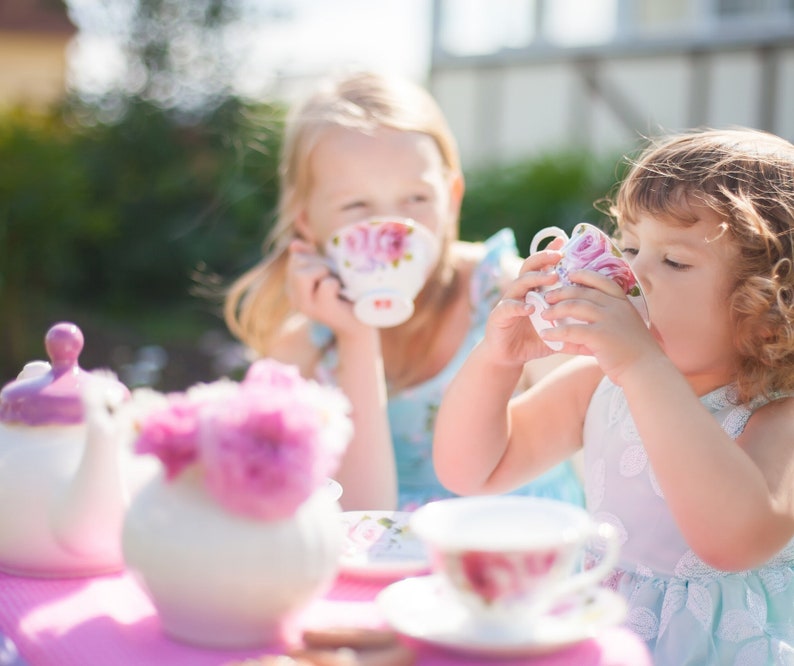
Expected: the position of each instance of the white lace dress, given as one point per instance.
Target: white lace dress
(686, 611)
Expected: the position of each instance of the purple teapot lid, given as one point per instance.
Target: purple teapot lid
(49, 393)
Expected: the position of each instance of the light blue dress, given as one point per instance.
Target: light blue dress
(412, 412)
(686, 611)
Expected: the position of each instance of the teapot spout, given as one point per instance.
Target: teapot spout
(87, 521)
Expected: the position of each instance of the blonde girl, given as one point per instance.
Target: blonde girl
(687, 427)
(360, 146)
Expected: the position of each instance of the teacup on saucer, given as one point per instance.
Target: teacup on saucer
(508, 559)
(588, 248)
(423, 608)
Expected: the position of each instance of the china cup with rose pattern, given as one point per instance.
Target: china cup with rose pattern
(588, 248)
(509, 559)
(383, 264)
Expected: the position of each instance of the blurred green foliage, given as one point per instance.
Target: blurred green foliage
(116, 225)
(124, 220)
(557, 189)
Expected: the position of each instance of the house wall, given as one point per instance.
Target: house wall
(508, 106)
(32, 68)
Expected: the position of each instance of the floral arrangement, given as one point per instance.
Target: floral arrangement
(264, 445)
(374, 244)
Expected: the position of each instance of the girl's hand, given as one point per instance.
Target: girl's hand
(316, 292)
(608, 326)
(510, 337)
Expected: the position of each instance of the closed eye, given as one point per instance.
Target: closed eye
(676, 265)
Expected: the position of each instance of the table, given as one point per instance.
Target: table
(109, 620)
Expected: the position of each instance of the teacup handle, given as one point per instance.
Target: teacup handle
(543, 234)
(588, 577)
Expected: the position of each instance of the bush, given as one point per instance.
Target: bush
(551, 190)
(116, 220)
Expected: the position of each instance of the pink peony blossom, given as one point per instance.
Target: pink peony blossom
(260, 458)
(265, 444)
(274, 374)
(170, 433)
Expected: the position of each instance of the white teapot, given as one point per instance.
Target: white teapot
(66, 475)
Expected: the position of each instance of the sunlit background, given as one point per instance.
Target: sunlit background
(267, 45)
(139, 138)
(514, 76)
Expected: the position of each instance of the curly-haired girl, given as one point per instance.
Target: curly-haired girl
(687, 426)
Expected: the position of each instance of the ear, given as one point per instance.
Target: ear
(303, 228)
(457, 187)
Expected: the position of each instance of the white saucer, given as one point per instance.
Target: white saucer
(379, 544)
(422, 609)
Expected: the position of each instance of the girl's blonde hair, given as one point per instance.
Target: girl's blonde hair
(747, 178)
(256, 304)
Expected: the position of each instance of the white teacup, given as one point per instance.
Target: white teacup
(383, 264)
(591, 249)
(509, 558)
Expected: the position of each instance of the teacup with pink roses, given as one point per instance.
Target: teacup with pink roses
(383, 263)
(588, 248)
(510, 560)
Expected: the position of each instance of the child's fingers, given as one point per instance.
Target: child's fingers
(597, 281)
(542, 260)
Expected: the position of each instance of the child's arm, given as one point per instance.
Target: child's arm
(733, 501)
(487, 443)
(484, 442)
(368, 471)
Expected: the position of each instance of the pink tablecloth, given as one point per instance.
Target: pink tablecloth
(110, 620)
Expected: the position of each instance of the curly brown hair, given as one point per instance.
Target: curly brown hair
(747, 178)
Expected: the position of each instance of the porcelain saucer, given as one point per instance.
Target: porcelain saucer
(422, 609)
(380, 544)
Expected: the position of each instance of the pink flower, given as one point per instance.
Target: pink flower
(265, 445)
(170, 433)
(260, 457)
(372, 245)
(274, 374)
(587, 246)
(389, 244)
(358, 248)
(493, 576)
(362, 534)
(498, 577)
(618, 269)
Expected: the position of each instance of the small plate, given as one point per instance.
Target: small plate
(422, 609)
(379, 544)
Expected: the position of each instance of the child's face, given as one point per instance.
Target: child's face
(686, 274)
(354, 176)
